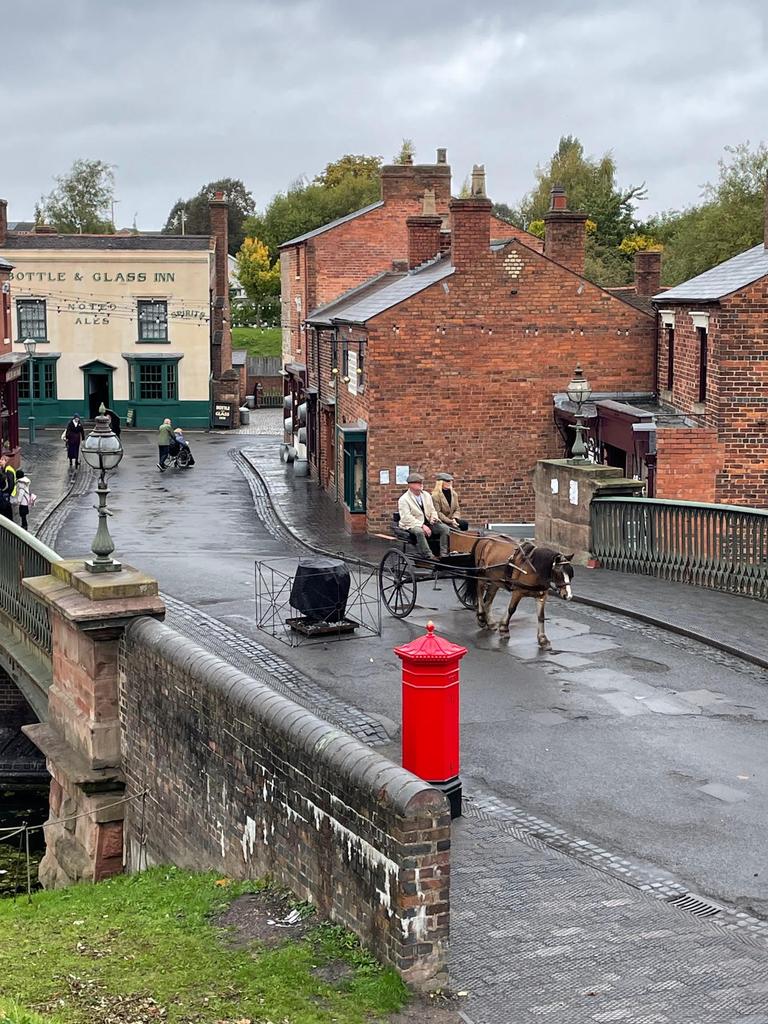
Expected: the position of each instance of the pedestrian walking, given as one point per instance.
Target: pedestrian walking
(164, 441)
(74, 435)
(25, 499)
(7, 487)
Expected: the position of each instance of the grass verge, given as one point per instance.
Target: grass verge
(143, 947)
(258, 341)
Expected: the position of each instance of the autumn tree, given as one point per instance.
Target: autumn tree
(81, 201)
(259, 278)
(350, 167)
(193, 217)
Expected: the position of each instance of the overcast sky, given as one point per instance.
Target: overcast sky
(176, 93)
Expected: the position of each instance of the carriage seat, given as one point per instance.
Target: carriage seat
(406, 538)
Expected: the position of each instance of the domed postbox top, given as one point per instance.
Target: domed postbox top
(430, 648)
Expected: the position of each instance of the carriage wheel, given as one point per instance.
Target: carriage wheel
(397, 584)
(465, 587)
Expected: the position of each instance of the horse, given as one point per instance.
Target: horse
(523, 568)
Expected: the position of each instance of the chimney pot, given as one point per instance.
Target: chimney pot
(478, 180)
(442, 156)
(218, 197)
(558, 200)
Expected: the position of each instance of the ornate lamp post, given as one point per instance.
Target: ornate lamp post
(579, 392)
(30, 347)
(103, 451)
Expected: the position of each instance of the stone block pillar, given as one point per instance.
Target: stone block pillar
(81, 737)
(564, 491)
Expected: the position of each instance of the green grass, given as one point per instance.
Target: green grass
(258, 341)
(77, 955)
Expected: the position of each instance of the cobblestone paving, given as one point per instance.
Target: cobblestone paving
(256, 660)
(536, 936)
(74, 485)
(263, 421)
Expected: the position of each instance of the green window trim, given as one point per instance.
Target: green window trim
(32, 319)
(152, 319)
(153, 380)
(45, 388)
(355, 454)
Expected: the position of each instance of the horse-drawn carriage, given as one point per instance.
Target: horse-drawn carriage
(478, 564)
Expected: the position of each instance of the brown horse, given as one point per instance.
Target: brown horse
(522, 568)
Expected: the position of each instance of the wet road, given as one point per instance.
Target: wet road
(645, 743)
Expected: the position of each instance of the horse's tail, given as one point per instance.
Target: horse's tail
(472, 575)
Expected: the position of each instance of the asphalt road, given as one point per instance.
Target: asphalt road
(643, 742)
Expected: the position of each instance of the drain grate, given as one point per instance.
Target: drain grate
(694, 905)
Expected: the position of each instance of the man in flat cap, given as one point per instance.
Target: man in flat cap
(418, 516)
(446, 502)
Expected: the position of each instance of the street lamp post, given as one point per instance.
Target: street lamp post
(579, 392)
(102, 451)
(30, 347)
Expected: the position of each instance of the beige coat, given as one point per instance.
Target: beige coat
(446, 511)
(411, 516)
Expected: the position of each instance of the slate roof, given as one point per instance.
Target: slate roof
(5, 265)
(334, 223)
(144, 243)
(728, 277)
(381, 294)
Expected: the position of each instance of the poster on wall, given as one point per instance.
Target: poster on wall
(352, 372)
(401, 474)
(383, 476)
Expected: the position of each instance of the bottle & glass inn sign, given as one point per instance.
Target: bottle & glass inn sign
(96, 276)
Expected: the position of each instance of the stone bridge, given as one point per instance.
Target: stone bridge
(159, 752)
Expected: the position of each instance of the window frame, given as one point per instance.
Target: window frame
(168, 382)
(670, 357)
(23, 304)
(702, 335)
(41, 364)
(141, 322)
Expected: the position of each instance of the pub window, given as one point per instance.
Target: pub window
(44, 380)
(153, 320)
(670, 358)
(153, 381)
(701, 333)
(31, 319)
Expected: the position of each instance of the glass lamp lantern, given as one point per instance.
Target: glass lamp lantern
(579, 391)
(102, 451)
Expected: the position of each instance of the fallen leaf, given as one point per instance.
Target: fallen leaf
(223, 881)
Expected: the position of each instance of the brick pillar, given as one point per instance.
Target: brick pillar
(221, 331)
(470, 231)
(564, 232)
(81, 739)
(647, 272)
(423, 238)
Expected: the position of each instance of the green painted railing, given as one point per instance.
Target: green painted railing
(22, 556)
(723, 547)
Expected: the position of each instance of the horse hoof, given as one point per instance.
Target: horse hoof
(503, 634)
(544, 643)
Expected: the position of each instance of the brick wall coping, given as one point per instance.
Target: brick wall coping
(407, 795)
(690, 504)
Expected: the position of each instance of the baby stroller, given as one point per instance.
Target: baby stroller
(179, 453)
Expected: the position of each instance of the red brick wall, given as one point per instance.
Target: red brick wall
(221, 355)
(687, 463)
(462, 379)
(564, 238)
(685, 393)
(501, 230)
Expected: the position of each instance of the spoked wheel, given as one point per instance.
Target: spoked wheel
(182, 459)
(397, 584)
(465, 587)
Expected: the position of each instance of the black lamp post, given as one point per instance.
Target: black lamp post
(30, 347)
(103, 451)
(579, 392)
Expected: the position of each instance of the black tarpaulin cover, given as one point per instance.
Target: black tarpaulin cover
(320, 589)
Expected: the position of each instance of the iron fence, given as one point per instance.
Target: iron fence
(722, 547)
(23, 556)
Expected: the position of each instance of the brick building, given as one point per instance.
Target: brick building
(320, 265)
(713, 370)
(11, 363)
(452, 361)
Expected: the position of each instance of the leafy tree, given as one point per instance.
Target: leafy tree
(503, 211)
(728, 221)
(406, 154)
(349, 167)
(260, 280)
(197, 217)
(81, 201)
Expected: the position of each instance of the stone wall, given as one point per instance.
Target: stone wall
(243, 781)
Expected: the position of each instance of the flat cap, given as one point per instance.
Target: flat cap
(414, 478)
(443, 476)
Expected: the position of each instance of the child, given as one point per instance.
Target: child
(24, 496)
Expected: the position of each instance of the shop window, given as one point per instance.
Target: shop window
(31, 315)
(153, 320)
(44, 388)
(355, 472)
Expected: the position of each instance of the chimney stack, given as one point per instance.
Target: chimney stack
(424, 232)
(221, 331)
(405, 183)
(471, 224)
(647, 272)
(564, 232)
(3, 221)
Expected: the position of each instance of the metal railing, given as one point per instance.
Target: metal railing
(22, 556)
(722, 547)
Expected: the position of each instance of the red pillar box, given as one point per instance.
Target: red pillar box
(431, 712)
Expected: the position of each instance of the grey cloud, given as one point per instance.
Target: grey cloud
(177, 92)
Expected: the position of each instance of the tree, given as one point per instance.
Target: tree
(344, 186)
(406, 154)
(729, 220)
(197, 216)
(81, 201)
(591, 187)
(260, 280)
